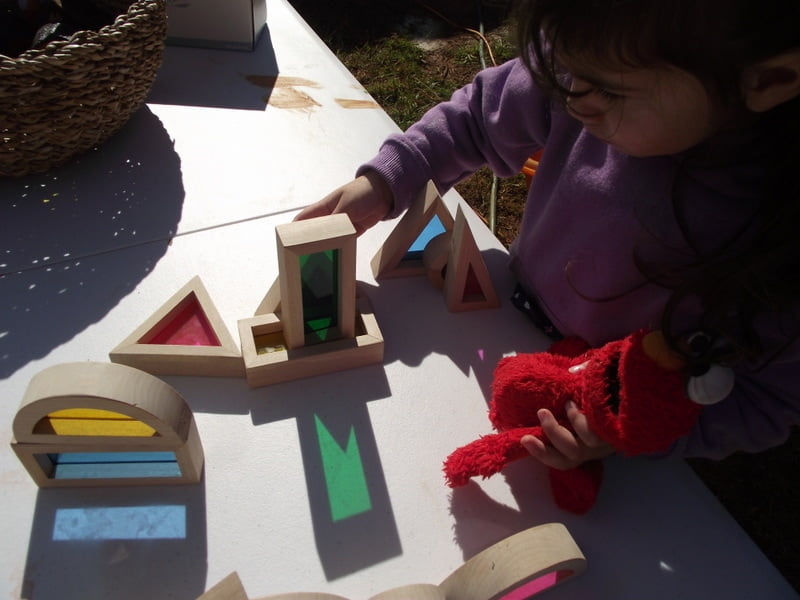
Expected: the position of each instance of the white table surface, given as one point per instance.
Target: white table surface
(194, 185)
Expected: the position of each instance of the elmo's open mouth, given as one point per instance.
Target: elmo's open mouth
(613, 385)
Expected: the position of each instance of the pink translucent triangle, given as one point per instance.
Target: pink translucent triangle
(536, 586)
(190, 327)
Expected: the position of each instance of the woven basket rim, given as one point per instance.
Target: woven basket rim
(83, 36)
(71, 95)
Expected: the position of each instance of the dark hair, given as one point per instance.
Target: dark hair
(714, 40)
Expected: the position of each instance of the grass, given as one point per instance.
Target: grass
(410, 56)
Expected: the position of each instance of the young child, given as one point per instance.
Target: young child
(667, 196)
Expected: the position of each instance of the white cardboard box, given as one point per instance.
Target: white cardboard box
(228, 24)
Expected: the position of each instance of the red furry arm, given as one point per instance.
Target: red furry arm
(487, 455)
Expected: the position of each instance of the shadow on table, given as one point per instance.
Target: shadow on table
(474, 340)
(128, 193)
(217, 78)
(655, 532)
(125, 543)
(352, 516)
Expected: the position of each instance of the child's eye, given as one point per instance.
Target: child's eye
(610, 96)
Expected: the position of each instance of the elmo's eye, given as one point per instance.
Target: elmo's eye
(712, 386)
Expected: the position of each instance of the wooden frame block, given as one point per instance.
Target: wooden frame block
(304, 238)
(532, 561)
(271, 302)
(389, 260)
(143, 350)
(268, 359)
(466, 270)
(103, 424)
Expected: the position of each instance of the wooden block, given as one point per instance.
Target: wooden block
(520, 566)
(299, 240)
(435, 258)
(390, 260)
(230, 588)
(100, 424)
(467, 283)
(268, 358)
(272, 300)
(186, 336)
(538, 558)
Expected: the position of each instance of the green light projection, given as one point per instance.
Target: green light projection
(345, 479)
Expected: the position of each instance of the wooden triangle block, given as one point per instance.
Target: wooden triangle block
(186, 336)
(393, 259)
(467, 283)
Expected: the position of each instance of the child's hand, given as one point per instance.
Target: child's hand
(568, 448)
(366, 200)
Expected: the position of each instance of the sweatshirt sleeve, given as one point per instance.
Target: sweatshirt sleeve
(499, 120)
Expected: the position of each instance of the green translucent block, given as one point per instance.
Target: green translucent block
(319, 276)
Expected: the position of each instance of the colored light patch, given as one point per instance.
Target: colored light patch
(536, 586)
(92, 422)
(112, 465)
(120, 523)
(431, 230)
(189, 327)
(319, 275)
(345, 480)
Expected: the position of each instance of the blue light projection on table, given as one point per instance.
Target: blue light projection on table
(166, 522)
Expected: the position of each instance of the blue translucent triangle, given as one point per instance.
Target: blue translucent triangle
(432, 229)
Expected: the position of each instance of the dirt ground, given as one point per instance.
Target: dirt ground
(760, 491)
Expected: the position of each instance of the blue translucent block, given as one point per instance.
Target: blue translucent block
(114, 465)
(432, 229)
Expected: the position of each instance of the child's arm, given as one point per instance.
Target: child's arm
(366, 200)
(500, 119)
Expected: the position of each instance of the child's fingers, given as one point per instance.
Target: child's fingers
(566, 449)
(559, 436)
(580, 425)
(551, 455)
(547, 455)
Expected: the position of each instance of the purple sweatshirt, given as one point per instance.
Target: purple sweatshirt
(590, 207)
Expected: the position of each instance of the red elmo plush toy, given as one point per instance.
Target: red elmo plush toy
(633, 393)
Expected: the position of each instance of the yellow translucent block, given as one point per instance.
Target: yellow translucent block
(93, 422)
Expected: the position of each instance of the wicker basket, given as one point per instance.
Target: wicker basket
(71, 95)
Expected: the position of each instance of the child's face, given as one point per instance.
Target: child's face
(644, 112)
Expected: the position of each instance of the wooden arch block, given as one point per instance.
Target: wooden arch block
(392, 258)
(98, 424)
(467, 283)
(518, 567)
(186, 336)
